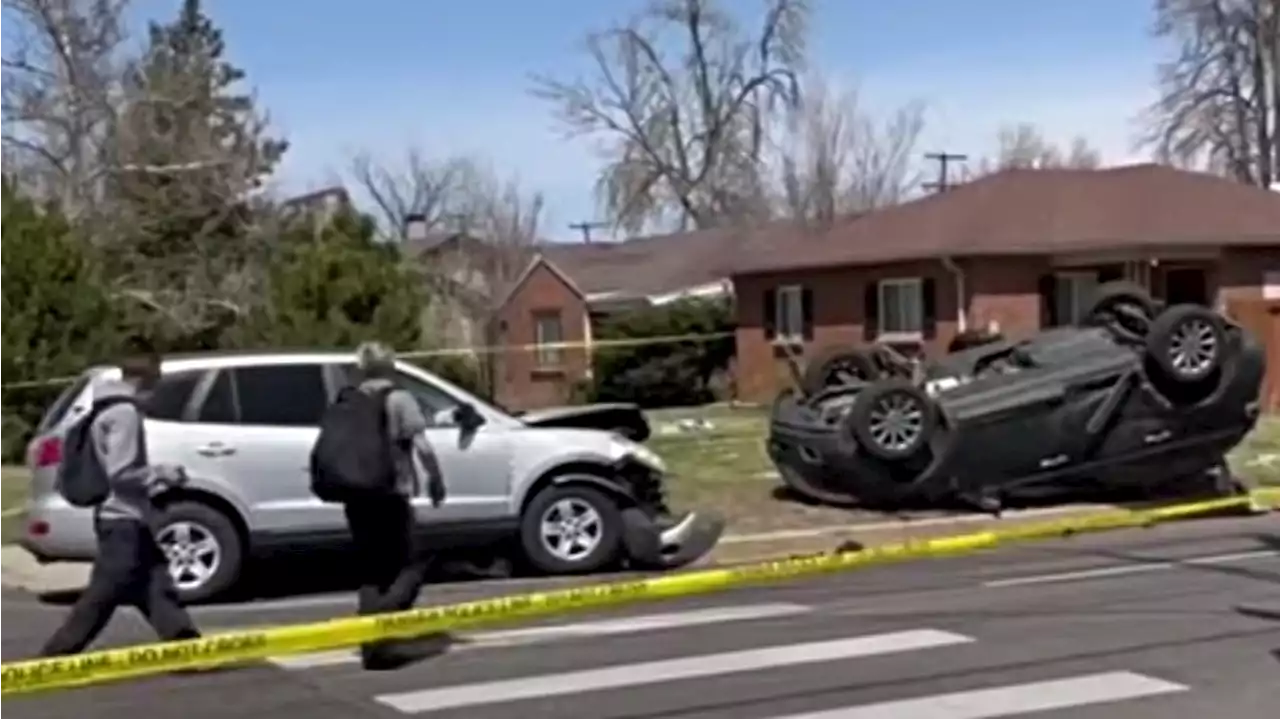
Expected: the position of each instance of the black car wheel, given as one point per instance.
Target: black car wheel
(893, 420)
(1186, 343)
(1124, 307)
(839, 367)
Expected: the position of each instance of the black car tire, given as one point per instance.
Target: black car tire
(1186, 342)
(820, 373)
(607, 549)
(211, 523)
(1112, 299)
(893, 420)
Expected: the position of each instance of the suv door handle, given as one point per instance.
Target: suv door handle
(215, 449)
(1155, 437)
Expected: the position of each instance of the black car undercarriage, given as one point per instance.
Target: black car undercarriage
(1140, 397)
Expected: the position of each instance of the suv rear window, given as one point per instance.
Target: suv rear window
(59, 408)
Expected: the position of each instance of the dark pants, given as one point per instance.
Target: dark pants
(130, 569)
(390, 572)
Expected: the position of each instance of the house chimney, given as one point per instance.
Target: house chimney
(415, 228)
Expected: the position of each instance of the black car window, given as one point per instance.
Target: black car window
(219, 406)
(432, 400)
(169, 397)
(286, 395)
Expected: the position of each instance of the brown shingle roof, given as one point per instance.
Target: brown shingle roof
(1039, 212)
(651, 265)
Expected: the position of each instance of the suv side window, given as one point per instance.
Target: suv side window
(219, 406)
(169, 398)
(433, 401)
(285, 395)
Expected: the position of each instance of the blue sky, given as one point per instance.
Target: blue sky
(451, 76)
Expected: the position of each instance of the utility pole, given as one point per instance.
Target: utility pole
(585, 227)
(944, 160)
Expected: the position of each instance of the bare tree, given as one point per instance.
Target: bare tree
(834, 159)
(1022, 146)
(682, 98)
(415, 186)
(482, 233)
(1220, 95)
(61, 94)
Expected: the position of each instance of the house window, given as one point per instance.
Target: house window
(901, 306)
(788, 313)
(1073, 293)
(547, 330)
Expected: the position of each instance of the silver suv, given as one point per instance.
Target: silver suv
(574, 500)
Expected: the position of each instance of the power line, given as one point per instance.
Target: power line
(944, 160)
(585, 227)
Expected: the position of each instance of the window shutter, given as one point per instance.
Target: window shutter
(769, 314)
(1048, 301)
(806, 310)
(871, 311)
(929, 302)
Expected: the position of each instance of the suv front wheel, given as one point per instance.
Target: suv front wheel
(203, 549)
(571, 529)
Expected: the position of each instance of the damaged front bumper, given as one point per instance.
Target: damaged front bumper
(654, 538)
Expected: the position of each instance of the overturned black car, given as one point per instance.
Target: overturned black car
(1140, 397)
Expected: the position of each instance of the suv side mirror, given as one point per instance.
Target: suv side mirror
(466, 417)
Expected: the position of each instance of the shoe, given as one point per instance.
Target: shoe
(399, 653)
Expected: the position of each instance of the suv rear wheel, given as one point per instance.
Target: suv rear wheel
(203, 548)
(571, 529)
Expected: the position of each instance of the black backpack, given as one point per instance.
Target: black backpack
(81, 478)
(352, 456)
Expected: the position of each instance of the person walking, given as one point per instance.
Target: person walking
(372, 456)
(105, 466)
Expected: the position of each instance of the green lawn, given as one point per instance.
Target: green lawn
(13, 492)
(1257, 459)
(724, 467)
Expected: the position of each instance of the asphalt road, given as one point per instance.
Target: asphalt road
(1134, 625)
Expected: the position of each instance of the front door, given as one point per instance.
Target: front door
(1186, 285)
(476, 465)
(254, 430)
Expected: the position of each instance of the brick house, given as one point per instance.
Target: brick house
(1017, 251)
(566, 288)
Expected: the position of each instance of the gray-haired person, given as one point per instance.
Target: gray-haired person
(382, 527)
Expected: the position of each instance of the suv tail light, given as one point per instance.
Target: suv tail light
(47, 452)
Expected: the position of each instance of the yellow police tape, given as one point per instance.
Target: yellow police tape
(242, 646)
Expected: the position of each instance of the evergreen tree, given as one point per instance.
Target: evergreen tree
(57, 319)
(192, 151)
(337, 285)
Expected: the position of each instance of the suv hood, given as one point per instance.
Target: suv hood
(625, 419)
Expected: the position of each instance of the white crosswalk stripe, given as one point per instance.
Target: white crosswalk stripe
(695, 667)
(1011, 700)
(741, 654)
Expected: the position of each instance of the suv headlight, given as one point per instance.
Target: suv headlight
(621, 448)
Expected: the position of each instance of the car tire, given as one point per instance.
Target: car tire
(1114, 297)
(827, 368)
(195, 526)
(893, 420)
(1187, 342)
(572, 500)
